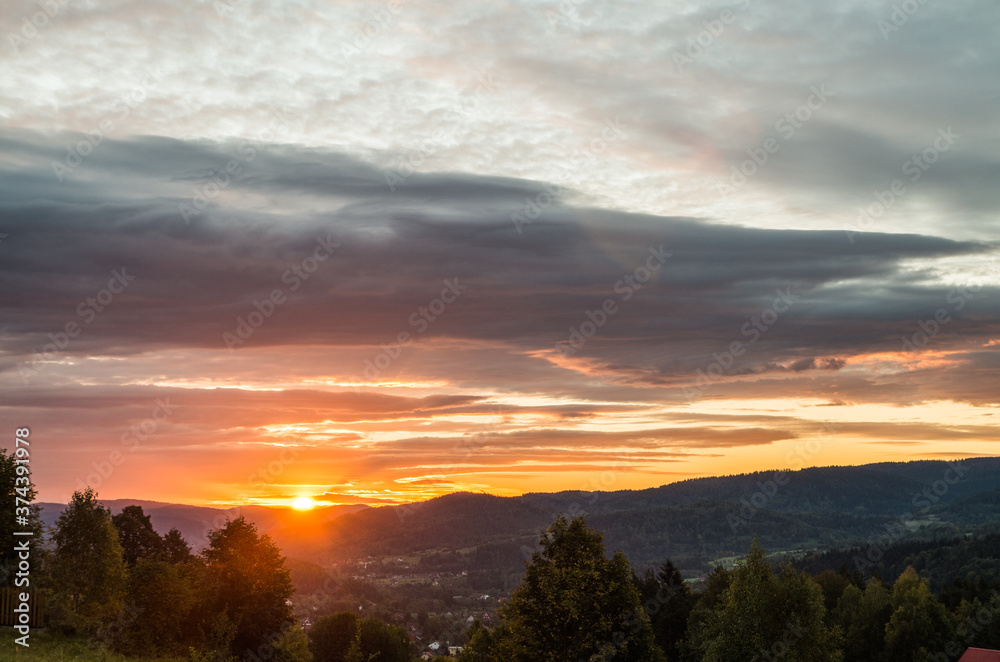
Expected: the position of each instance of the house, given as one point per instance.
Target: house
(980, 655)
(453, 651)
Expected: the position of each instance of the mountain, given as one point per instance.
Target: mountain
(695, 522)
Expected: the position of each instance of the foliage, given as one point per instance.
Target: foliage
(920, 625)
(573, 604)
(136, 535)
(175, 548)
(293, 646)
(378, 641)
(668, 602)
(12, 487)
(87, 571)
(862, 616)
(246, 579)
(765, 614)
(331, 636)
(160, 599)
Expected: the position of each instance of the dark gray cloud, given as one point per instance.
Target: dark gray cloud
(527, 291)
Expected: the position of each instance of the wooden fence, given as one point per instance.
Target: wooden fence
(9, 598)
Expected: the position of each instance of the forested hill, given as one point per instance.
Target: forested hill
(702, 519)
(694, 522)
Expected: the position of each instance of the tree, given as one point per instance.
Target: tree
(293, 646)
(246, 579)
(574, 604)
(919, 625)
(708, 601)
(833, 585)
(332, 635)
(769, 615)
(12, 487)
(175, 548)
(863, 616)
(136, 535)
(87, 570)
(669, 609)
(160, 599)
(377, 640)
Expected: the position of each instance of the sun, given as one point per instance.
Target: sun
(303, 503)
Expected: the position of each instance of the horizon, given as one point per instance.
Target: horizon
(320, 505)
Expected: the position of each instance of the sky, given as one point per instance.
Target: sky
(374, 252)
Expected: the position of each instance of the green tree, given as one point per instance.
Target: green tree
(487, 645)
(87, 572)
(246, 579)
(833, 584)
(862, 616)
(332, 635)
(293, 646)
(160, 599)
(13, 486)
(574, 604)
(764, 614)
(707, 602)
(377, 641)
(136, 535)
(920, 625)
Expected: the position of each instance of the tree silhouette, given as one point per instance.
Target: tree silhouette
(136, 535)
(246, 580)
(175, 548)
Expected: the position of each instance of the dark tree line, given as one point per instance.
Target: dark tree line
(115, 580)
(576, 604)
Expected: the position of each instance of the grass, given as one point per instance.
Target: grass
(46, 647)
